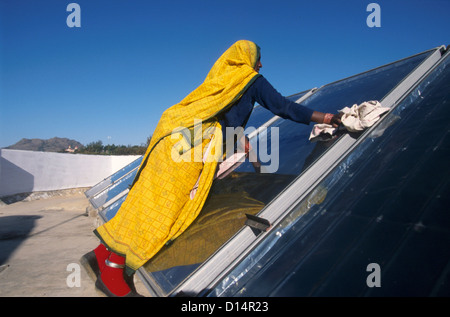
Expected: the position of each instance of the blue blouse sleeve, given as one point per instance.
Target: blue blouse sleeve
(271, 99)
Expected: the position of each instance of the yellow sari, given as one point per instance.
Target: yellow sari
(183, 153)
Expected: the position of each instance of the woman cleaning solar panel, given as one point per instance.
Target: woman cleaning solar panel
(160, 205)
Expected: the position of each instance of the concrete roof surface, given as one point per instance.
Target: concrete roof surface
(41, 242)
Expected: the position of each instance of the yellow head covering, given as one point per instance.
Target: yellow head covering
(227, 80)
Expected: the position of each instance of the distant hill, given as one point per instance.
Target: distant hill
(50, 145)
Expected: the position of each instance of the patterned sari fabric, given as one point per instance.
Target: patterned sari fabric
(183, 153)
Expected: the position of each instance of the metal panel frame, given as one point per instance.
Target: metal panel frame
(108, 182)
(237, 248)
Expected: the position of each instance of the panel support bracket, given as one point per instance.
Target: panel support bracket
(257, 224)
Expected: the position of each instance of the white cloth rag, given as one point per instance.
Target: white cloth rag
(354, 119)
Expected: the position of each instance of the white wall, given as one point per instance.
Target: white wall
(29, 171)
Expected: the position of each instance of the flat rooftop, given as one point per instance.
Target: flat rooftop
(41, 241)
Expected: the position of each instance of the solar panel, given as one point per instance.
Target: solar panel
(385, 204)
(236, 251)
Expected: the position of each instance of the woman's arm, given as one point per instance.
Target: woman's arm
(271, 99)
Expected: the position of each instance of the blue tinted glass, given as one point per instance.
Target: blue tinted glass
(109, 212)
(296, 152)
(386, 204)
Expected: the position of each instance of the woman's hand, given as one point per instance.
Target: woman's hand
(335, 120)
(328, 118)
(250, 153)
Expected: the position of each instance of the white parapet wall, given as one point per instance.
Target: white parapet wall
(29, 171)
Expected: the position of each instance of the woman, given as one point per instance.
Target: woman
(161, 203)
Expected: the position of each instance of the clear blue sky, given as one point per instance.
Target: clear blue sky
(111, 78)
